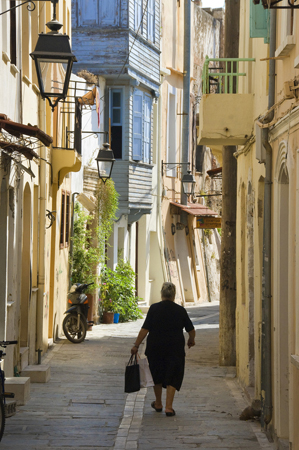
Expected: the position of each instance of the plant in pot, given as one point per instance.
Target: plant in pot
(106, 304)
(121, 287)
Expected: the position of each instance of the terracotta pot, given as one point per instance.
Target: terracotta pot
(107, 317)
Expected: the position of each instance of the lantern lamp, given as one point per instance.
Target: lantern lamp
(105, 161)
(53, 59)
(188, 183)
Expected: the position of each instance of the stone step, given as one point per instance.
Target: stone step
(20, 386)
(39, 373)
(10, 407)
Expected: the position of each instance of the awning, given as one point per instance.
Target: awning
(26, 151)
(18, 130)
(195, 209)
(214, 172)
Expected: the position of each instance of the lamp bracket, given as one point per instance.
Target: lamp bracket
(30, 7)
(274, 3)
(170, 165)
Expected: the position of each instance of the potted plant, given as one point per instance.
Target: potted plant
(106, 304)
(119, 287)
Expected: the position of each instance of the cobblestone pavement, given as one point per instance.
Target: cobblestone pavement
(83, 406)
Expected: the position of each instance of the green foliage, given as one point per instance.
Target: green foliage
(219, 231)
(85, 255)
(118, 292)
(107, 204)
(91, 233)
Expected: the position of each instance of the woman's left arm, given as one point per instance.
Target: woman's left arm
(142, 334)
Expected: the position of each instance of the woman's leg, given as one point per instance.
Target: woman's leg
(158, 394)
(170, 391)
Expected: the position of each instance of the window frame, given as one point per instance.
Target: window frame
(138, 8)
(121, 123)
(145, 156)
(151, 10)
(64, 219)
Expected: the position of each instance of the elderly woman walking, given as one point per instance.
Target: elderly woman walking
(165, 347)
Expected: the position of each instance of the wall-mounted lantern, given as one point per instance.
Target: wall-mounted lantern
(188, 182)
(105, 161)
(53, 59)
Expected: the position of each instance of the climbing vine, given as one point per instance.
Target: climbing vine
(91, 233)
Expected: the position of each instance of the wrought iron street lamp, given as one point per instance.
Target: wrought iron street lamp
(188, 182)
(53, 59)
(105, 161)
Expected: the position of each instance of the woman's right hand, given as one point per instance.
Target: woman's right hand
(134, 350)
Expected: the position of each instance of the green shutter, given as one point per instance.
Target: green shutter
(259, 22)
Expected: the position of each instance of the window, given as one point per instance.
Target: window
(116, 122)
(104, 13)
(151, 20)
(259, 20)
(142, 113)
(13, 34)
(138, 15)
(65, 219)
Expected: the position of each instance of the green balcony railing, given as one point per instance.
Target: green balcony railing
(223, 76)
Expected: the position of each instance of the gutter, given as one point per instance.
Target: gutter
(266, 374)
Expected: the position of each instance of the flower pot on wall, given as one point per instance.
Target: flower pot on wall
(107, 317)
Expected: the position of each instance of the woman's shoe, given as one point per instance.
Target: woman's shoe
(170, 414)
(156, 409)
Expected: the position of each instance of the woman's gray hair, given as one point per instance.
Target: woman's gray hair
(168, 290)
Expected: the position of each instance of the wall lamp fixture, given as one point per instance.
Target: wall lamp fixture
(54, 60)
(105, 161)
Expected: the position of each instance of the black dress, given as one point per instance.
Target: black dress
(165, 348)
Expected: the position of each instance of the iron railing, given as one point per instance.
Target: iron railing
(223, 76)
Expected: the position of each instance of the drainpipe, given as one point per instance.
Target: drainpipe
(186, 96)
(266, 375)
(71, 240)
(42, 235)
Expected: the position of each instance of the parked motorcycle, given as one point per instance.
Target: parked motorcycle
(75, 322)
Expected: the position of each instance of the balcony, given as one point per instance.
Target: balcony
(225, 116)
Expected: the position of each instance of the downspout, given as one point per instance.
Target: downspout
(159, 186)
(266, 375)
(186, 98)
(42, 240)
(71, 240)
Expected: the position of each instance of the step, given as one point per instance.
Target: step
(39, 373)
(24, 357)
(10, 407)
(20, 386)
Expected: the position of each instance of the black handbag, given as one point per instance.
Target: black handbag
(132, 375)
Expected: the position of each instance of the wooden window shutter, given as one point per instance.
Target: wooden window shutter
(259, 22)
(137, 125)
(147, 127)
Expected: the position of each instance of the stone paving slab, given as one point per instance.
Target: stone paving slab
(83, 406)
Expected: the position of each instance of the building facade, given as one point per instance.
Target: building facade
(35, 193)
(261, 120)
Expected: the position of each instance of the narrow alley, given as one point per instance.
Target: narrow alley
(83, 406)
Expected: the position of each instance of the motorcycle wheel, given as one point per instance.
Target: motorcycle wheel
(70, 328)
